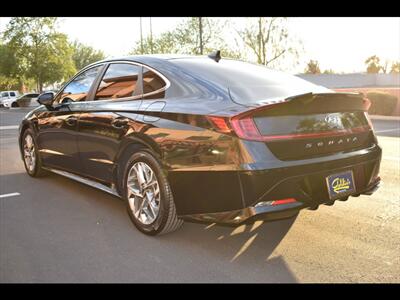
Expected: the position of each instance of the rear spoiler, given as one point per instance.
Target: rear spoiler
(316, 102)
(305, 97)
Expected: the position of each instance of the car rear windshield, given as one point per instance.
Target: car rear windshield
(249, 83)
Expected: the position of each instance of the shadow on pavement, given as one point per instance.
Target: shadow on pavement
(243, 253)
(244, 245)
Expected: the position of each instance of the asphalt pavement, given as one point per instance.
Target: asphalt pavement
(53, 229)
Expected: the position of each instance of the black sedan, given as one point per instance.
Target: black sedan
(203, 138)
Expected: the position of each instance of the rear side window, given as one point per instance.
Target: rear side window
(12, 94)
(119, 81)
(249, 83)
(78, 89)
(153, 85)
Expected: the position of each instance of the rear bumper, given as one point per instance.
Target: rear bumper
(304, 183)
(266, 212)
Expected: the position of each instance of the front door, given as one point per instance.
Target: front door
(57, 139)
(57, 128)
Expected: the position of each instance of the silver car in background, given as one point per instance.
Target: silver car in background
(7, 95)
(23, 101)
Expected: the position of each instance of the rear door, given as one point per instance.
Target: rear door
(57, 137)
(104, 123)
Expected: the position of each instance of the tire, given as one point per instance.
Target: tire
(14, 104)
(152, 213)
(34, 170)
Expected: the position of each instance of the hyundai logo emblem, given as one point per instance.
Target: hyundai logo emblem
(332, 119)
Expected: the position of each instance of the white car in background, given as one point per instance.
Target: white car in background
(22, 101)
(8, 95)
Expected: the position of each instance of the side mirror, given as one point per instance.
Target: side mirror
(46, 99)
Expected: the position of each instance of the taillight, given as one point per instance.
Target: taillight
(220, 124)
(245, 128)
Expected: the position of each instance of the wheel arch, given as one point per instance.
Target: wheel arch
(129, 145)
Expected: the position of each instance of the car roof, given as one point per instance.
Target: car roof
(150, 58)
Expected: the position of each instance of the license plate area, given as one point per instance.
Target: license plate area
(340, 184)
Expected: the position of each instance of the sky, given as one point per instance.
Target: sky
(338, 43)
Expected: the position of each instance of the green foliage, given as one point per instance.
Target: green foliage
(41, 52)
(8, 83)
(373, 64)
(382, 103)
(185, 39)
(8, 62)
(85, 55)
(161, 45)
(395, 67)
(312, 67)
(11, 77)
(329, 71)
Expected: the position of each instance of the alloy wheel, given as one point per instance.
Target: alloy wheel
(29, 153)
(143, 193)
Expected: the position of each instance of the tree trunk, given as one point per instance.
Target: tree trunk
(201, 35)
(141, 36)
(151, 38)
(259, 41)
(39, 85)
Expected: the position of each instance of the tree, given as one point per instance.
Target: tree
(329, 71)
(395, 67)
(268, 38)
(189, 37)
(384, 66)
(372, 63)
(8, 61)
(8, 69)
(11, 77)
(85, 55)
(162, 44)
(42, 53)
(312, 67)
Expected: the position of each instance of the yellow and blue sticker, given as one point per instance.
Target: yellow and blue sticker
(340, 184)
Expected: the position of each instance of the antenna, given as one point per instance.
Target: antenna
(216, 55)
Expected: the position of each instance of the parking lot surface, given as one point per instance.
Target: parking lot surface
(53, 229)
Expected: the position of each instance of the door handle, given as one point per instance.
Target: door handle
(71, 121)
(119, 123)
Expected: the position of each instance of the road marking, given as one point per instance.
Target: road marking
(9, 195)
(392, 158)
(9, 127)
(387, 130)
